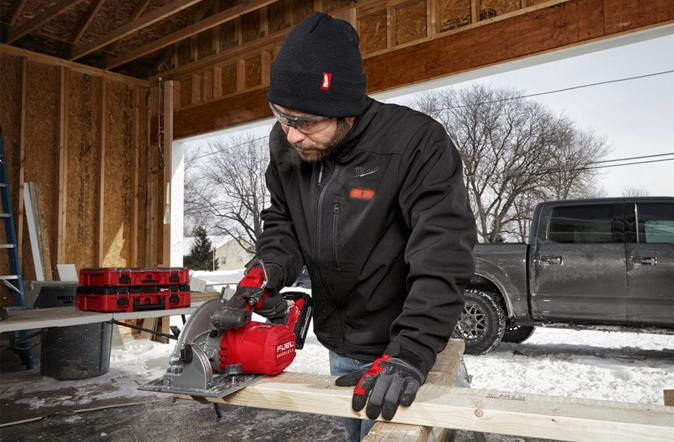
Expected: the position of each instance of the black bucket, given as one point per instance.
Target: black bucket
(75, 352)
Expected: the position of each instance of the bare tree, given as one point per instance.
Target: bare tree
(515, 152)
(630, 191)
(229, 187)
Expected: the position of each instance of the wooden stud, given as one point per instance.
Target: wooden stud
(22, 155)
(474, 11)
(135, 205)
(240, 75)
(62, 210)
(196, 89)
(266, 67)
(168, 140)
(100, 242)
(217, 82)
(207, 93)
(431, 18)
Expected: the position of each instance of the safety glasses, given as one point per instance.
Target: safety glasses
(306, 125)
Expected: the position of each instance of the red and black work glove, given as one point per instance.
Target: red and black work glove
(272, 305)
(387, 383)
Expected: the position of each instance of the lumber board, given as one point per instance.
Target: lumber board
(489, 411)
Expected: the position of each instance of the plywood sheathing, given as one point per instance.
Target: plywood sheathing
(84, 138)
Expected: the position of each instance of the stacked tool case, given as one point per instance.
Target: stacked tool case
(125, 289)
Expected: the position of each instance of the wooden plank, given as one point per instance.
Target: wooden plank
(17, 12)
(135, 184)
(86, 21)
(75, 67)
(669, 397)
(489, 411)
(40, 20)
(62, 204)
(133, 27)
(210, 22)
(28, 319)
(22, 156)
(100, 249)
(166, 178)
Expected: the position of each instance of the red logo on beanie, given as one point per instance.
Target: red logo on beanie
(327, 79)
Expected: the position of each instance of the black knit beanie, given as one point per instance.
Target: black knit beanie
(319, 69)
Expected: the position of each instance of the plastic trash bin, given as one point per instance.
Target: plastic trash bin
(74, 352)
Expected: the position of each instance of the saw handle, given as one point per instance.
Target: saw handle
(234, 314)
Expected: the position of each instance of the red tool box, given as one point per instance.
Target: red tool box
(132, 299)
(129, 276)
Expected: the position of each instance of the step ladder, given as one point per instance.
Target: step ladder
(20, 341)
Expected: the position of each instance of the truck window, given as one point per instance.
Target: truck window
(586, 224)
(655, 222)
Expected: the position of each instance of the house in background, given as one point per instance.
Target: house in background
(231, 256)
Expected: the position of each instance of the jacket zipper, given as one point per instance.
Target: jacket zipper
(319, 218)
(335, 225)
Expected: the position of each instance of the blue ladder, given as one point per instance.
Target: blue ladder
(20, 344)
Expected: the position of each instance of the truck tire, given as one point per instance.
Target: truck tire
(482, 323)
(517, 334)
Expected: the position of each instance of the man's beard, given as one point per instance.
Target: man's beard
(343, 128)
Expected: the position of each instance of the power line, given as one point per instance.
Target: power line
(567, 89)
(590, 166)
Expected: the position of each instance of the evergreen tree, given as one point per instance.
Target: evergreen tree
(201, 251)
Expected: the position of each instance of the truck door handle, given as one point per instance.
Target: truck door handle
(646, 260)
(551, 260)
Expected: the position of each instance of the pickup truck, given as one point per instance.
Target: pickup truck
(592, 263)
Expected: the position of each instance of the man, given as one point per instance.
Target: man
(370, 197)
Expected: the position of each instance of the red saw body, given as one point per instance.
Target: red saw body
(221, 350)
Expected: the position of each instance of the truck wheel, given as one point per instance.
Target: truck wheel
(482, 323)
(517, 333)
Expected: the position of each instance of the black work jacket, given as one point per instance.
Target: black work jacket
(384, 229)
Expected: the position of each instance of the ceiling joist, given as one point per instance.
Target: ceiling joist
(88, 18)
(133, 26)
(189, 31)
(40, 20)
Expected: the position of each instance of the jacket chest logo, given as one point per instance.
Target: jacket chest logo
(361, 171)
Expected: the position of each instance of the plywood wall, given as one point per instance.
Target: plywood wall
(83, 138)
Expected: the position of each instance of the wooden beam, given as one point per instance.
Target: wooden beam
(22, 155)
(168, 140)
(18, 9)
(489, 411)
(88, 18)
(62, 197)
(40, 20)
(75, 67)
(135, 204)
(187, 32)
(100, 229)
(133, 27)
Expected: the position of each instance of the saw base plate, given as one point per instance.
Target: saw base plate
(223, 385)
